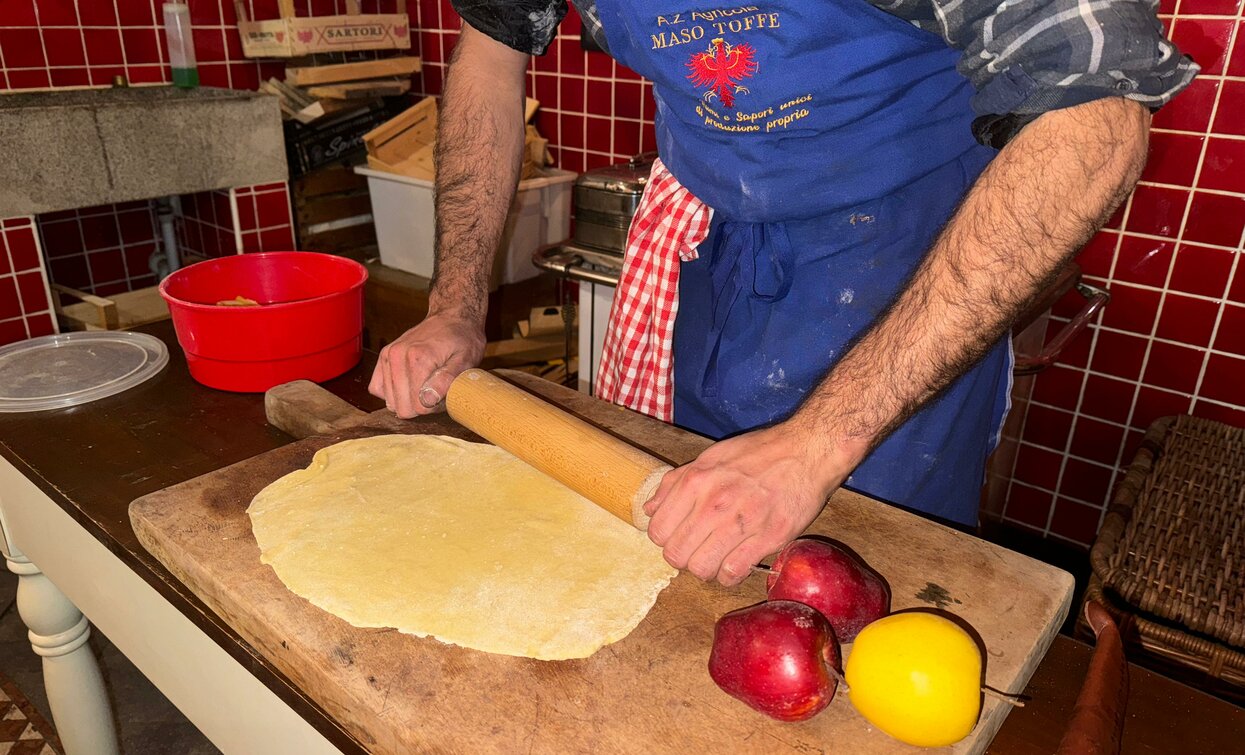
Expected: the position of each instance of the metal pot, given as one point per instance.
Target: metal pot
(605, 201)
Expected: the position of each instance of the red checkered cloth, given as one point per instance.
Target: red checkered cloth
(636, 360)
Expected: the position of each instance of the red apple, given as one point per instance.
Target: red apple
(843, 588)
(779, 657)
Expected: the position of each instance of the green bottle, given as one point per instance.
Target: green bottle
(181, 44)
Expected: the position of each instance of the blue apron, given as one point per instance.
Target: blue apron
(833, 142)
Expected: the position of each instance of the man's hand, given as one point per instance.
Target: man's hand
(741, 500)
(414, 372)
(479, 151)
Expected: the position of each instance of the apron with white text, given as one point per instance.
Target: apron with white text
(832, 141)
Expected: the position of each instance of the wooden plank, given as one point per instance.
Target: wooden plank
(361, 90)
(334, 207)
(333, 107)
(513, 352)
(368, 69)
(405, 144)
(358, 242)
(294, 97)
(400, 693)
(422, 116)
(542, 321)
(312, 112)
(122, 311)
(91, 309)
(421, 165)
(334, 179)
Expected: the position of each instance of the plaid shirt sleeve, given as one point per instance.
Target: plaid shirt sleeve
(524, 25)
(528, 25)
(1028, 57)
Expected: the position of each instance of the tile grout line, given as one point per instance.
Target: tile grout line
(125, 68)
(43, 47)
(47, 276)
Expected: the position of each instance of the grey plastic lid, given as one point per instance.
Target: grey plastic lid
(54, 372)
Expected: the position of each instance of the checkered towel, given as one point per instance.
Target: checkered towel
(636, 359)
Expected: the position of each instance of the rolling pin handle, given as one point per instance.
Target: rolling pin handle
(645, 492)
(613, 474)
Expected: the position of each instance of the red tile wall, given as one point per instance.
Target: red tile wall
(81, 43)
(76, 43)
(594, 112)
(264, 220)
(101, 250)
(246, 219)
(25, 309)
(206, 227)
(1173, 338)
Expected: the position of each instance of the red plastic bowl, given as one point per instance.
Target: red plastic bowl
(309, 327)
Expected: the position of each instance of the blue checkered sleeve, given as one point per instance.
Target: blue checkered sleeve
(1027, 57)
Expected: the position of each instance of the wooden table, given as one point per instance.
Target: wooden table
(66, 481)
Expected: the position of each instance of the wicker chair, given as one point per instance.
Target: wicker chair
(1169, 561)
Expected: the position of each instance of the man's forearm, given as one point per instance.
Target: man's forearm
(479, 153)
(1035, 205)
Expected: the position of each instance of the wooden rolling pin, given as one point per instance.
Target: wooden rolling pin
(616, 476)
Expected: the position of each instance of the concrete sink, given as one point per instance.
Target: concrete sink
(66, 149)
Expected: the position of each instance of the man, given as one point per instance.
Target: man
(858, 221)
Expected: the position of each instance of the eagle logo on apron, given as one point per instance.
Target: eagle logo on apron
(720, 68)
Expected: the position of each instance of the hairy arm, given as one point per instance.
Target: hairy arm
(1028, 213)
(479, 153)
(1025, 217)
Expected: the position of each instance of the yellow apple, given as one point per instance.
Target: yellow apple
(917, 677)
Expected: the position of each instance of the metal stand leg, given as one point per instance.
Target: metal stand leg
(58, 633)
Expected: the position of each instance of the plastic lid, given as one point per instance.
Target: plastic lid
(54, 372)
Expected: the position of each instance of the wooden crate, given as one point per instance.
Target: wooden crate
(333, 213)
(290, 36)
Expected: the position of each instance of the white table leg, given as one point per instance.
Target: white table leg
(59, 633)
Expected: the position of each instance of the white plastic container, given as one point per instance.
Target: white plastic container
(403, 211)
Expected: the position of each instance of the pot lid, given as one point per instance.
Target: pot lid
(58, 371)
(624, 178)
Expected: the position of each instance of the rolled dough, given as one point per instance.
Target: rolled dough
(460, 541)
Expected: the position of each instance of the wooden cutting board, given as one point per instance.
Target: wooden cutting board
(649, 692)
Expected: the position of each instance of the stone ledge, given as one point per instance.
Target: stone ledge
(83, 148)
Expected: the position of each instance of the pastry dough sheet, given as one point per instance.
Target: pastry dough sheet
(459, 541)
